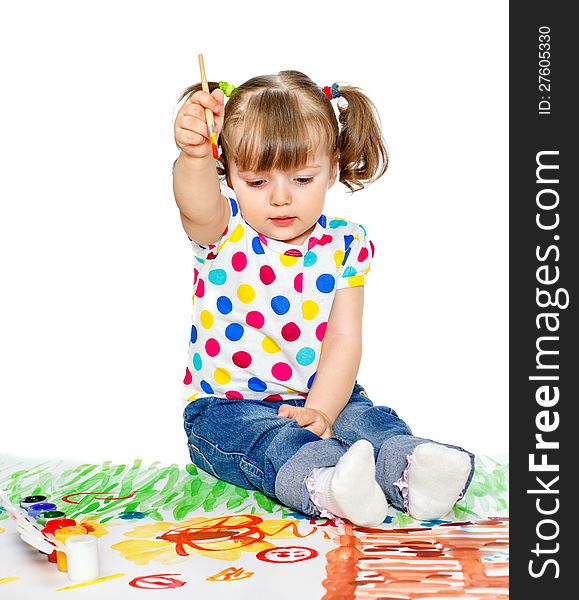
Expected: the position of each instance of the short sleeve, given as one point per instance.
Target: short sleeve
(209, 251)
(359, 252)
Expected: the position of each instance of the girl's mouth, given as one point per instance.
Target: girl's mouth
(283, 222)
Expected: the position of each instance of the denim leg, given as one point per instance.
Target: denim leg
(290, 485)
(391, 437)
(245, 443)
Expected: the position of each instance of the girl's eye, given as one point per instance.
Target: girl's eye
(259, 182)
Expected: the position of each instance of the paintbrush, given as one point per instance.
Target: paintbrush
(208, 111)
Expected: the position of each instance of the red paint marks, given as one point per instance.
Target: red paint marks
(156, 582)
(68, 496)
(286, 554)
(223, 533)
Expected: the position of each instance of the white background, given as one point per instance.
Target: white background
(97, 271)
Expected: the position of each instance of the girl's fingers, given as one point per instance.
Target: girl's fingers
(205, 99)
(191, 138)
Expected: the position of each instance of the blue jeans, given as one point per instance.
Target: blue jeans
(245, 443)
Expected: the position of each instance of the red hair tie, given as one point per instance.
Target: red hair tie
(331, 92)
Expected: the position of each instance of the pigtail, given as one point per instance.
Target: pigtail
(363, 154)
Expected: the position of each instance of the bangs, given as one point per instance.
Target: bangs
(276, 132)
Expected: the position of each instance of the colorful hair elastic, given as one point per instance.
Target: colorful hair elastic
(332, 92)
(228, 88)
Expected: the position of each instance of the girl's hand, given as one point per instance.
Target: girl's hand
(191, 131)
(309, 418)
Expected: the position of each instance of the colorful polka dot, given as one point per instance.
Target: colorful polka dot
(217, 276)
(234, 332)
(237, 234)
(206, 319)
(200, 290)
(241, 359)
(325, 283)
(293, 252)
(334, 223)
(288, 260)
(310, 310)
(339, 258)
(239, 261)
(363, 254)
(290, 332)
(346, 255)
(273, 398)
(233, 395)
(255, 319)
(194, 334)
(212, 347)
(197, 362)
(310, 381)
(349, 272)
(188, 377)
(280, 305)
(206, 387)
(299, 283)
(221, 376)
(269, 345)
(306, 356)
(257, 385)
(246, 293)
(321, 330)
(356, 280)
(266, 275)
(310, 259)
(257, 246)
(224, 305)
(281, 371)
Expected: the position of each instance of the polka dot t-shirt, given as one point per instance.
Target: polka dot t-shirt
(261, 306)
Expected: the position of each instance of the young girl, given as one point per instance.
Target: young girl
(275, 347)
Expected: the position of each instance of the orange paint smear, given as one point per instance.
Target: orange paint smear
(459, 560)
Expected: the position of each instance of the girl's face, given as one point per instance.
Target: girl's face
(300, 194)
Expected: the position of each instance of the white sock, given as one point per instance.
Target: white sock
(350, 489)
(436, 477)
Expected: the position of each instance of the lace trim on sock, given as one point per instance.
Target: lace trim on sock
(402, 483)
(315, 497)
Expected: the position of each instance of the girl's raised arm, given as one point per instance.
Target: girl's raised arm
(204, 211)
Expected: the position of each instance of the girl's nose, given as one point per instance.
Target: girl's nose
(280, 195)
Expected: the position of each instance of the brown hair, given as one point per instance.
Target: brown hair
(277, 121)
